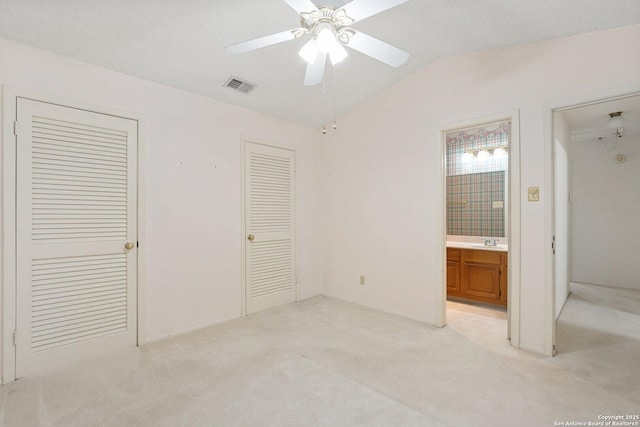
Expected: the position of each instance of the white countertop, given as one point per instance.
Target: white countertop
(478, 245)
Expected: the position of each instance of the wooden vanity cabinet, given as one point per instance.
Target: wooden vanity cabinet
(453, 272)
(479, 275)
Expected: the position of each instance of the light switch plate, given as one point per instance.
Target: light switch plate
(497, 204)
(534, 194)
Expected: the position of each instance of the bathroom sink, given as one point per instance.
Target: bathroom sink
(491, 248)
(473, 245)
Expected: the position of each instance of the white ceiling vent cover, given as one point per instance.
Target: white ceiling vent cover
(239, 85)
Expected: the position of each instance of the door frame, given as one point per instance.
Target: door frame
(243, 228)
(8, 260)
(550, 207)
(513, 223)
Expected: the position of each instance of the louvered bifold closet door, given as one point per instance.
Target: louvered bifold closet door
(76, 210)
(270, 225)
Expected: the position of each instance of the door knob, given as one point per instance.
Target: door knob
(251, 237)
(128, 245)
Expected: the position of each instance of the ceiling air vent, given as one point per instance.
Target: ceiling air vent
(239, 85)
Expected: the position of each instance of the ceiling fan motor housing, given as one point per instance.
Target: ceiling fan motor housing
(326, 17)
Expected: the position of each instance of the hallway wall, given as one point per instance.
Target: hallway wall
(562, 212)
(606, 209)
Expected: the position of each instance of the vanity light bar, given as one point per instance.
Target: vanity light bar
(482, 153)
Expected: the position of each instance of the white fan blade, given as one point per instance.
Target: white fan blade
(260, 42)
(378, 49)
(361, 9)
(314, 73)
(302, 6)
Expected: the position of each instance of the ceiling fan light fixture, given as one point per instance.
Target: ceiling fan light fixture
(337, 53)
(616, 121)
(309, 51)
(326, 38)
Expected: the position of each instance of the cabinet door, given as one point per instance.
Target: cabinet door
(453, 278)
(481, 281)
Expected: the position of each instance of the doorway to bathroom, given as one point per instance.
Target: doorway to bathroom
(479, 228)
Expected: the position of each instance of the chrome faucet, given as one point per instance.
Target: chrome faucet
(488, 242)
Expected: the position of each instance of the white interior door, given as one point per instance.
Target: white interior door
(76, 205)
(270, 227)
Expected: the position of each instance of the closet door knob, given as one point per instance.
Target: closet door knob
(128, 245)
(251, 237)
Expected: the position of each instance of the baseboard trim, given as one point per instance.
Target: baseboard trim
(599, 285)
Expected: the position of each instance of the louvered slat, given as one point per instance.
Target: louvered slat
(76, 299)
(270, 193)
(49, 125)
(79, 176)
(270, 272)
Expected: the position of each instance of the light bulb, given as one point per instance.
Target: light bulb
(499, 153)
(483, 154)
(309, 51)
(337, 53)
(326, 39)
(467, 156)
(616, 121)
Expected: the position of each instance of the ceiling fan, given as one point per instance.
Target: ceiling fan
(329, 31)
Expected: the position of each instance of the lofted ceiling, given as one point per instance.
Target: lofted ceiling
(181, 43)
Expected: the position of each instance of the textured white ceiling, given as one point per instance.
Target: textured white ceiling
(181, 43)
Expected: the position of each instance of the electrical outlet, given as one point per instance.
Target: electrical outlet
(362, 280)
(498, 204)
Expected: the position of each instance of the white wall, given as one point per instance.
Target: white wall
(606, 211)
(383, 181)
(562, 168)
(193, 185)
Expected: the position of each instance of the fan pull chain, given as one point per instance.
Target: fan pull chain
(335, 102)
(324, 91)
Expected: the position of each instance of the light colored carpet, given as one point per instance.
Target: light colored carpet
(598, 339)
(328, 363)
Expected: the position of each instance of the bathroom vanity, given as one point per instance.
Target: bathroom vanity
(477, 273)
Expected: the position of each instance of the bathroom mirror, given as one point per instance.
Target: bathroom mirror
(475, 204)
